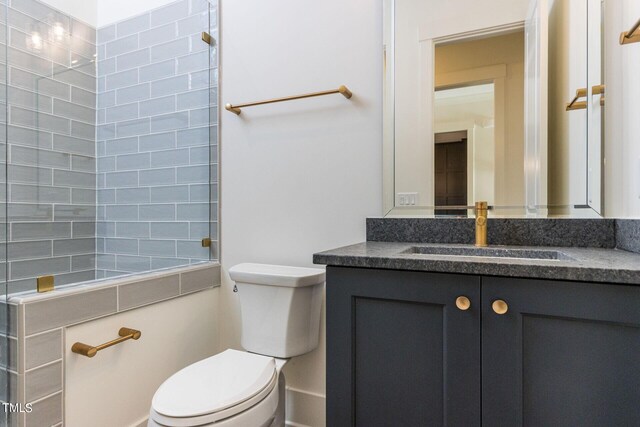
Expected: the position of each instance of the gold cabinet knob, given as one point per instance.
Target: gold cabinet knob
(463, 303)
(500, 307)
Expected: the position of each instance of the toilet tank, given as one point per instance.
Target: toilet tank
(280, 308)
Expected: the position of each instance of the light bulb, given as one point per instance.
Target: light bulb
(35, 41)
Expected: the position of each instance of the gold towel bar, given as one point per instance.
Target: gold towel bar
(341, 90)
(631, 36)
(582, 93)
(90, 351)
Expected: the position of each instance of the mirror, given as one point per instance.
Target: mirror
(499, 101)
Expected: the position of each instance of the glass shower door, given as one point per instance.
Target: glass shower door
(7, 343)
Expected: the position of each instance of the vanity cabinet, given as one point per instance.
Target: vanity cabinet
(401, 352)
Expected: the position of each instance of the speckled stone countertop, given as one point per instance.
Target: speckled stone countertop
(602, 265)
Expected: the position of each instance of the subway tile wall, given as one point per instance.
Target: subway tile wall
(49, 116)
(156, 123)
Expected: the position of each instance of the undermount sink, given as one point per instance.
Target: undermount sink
(535, 254)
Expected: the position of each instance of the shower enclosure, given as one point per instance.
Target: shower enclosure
(109, 137)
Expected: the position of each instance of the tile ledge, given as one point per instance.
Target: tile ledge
(82, 287)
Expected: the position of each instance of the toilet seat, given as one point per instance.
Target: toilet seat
(213, 389)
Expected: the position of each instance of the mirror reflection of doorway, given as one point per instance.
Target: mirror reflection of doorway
(451, 172)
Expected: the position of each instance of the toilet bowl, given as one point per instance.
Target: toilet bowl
(280, 319)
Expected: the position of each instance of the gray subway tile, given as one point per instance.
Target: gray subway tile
(168, 122)
(122, 213)
(76, 78)
(44, 230)
(132, 264)
(83, 163)
(122, 179)
(39, 267)
(133, 59)
(193, 212)
(164, 248)
(83, 31)
(26, 61)
(133, 127)
(196, 280)
(121, 246)
(29, 212)
(136, 93)
(199, 192)
(201, 116)
(39, 193)
(159, 141)
(148, 291)
(71, 144)
(169, 230)
(194, 24)
(192, 249)
(75, 277)
(51, 313)
(170, 86)
(191, 137)
(122, 45)
(133, 161)
(158, 71)
(133, 25)
(198, 230)
(84, 262)
(74, 212)
(106, 34)
(200, 155)
(170, 158)
(170, 13)
(157, 106)
(84, 130)
(106, 100)
(84, 229)
(193, 99)
(106, 196)
(199, 80)
(155, 177)
(122, 79)
(132, 195)
(122, 113)
(106, 261)
(30, 137)
(106, 132)
(157, 212)
(132, 229)
(8, 353)
(43, 381)
(28, 99)
(43, 121)
(43, 348)
(83, 97)
(122, 146)
(105, 229)
(39, 84)
(159, 262)
(193, 174)
(28, 250)
(43, 158)
(46, 412)
(74, 111)
(107, 66)
(85, 196)
(74, 246)
(74, 179)
(107, 164)
(170, 194)
(158, 35)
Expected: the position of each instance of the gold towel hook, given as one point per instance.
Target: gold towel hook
(342, 90)
(631, 36)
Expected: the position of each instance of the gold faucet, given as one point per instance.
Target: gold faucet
(481, 223)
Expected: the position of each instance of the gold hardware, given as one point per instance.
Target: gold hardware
(45, 283)
(463, 303)
(582, 93)
(206, 242)
(237, 109)
(481, 223)
(90, 351)
(206, 37)
(500, 307)
(631, 36)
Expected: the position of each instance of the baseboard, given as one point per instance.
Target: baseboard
(305, 409)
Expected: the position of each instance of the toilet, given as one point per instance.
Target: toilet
(280, 312)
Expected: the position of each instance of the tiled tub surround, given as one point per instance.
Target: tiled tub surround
(36, 359)
(154, 136)
(51, 110)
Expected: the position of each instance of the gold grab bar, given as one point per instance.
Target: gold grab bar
(582, 93)
(90, 351)
(631, 36)
(341, 90)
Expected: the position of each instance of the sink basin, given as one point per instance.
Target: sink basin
(534, 254)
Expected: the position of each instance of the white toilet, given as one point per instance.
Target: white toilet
(280, 309)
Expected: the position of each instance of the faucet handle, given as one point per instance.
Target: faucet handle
(482, 206)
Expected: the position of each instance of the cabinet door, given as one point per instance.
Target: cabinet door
(564, 354)
(399, 351)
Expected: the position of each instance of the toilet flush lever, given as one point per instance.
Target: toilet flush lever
(235, 288)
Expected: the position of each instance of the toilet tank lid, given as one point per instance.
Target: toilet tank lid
(277, 275)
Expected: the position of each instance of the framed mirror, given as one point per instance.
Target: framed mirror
(499, 101)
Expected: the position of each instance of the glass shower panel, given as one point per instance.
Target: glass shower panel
(214, 129)
(154, 140)
(7, 342)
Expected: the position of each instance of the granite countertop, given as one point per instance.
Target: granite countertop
(573, 263)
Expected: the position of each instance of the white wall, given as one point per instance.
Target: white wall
(302, 176)
(110, 389)
(110, 11)
(622, 127)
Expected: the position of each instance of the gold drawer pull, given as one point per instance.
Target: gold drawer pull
(463, 303)
(500, 307)
(90, 351)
